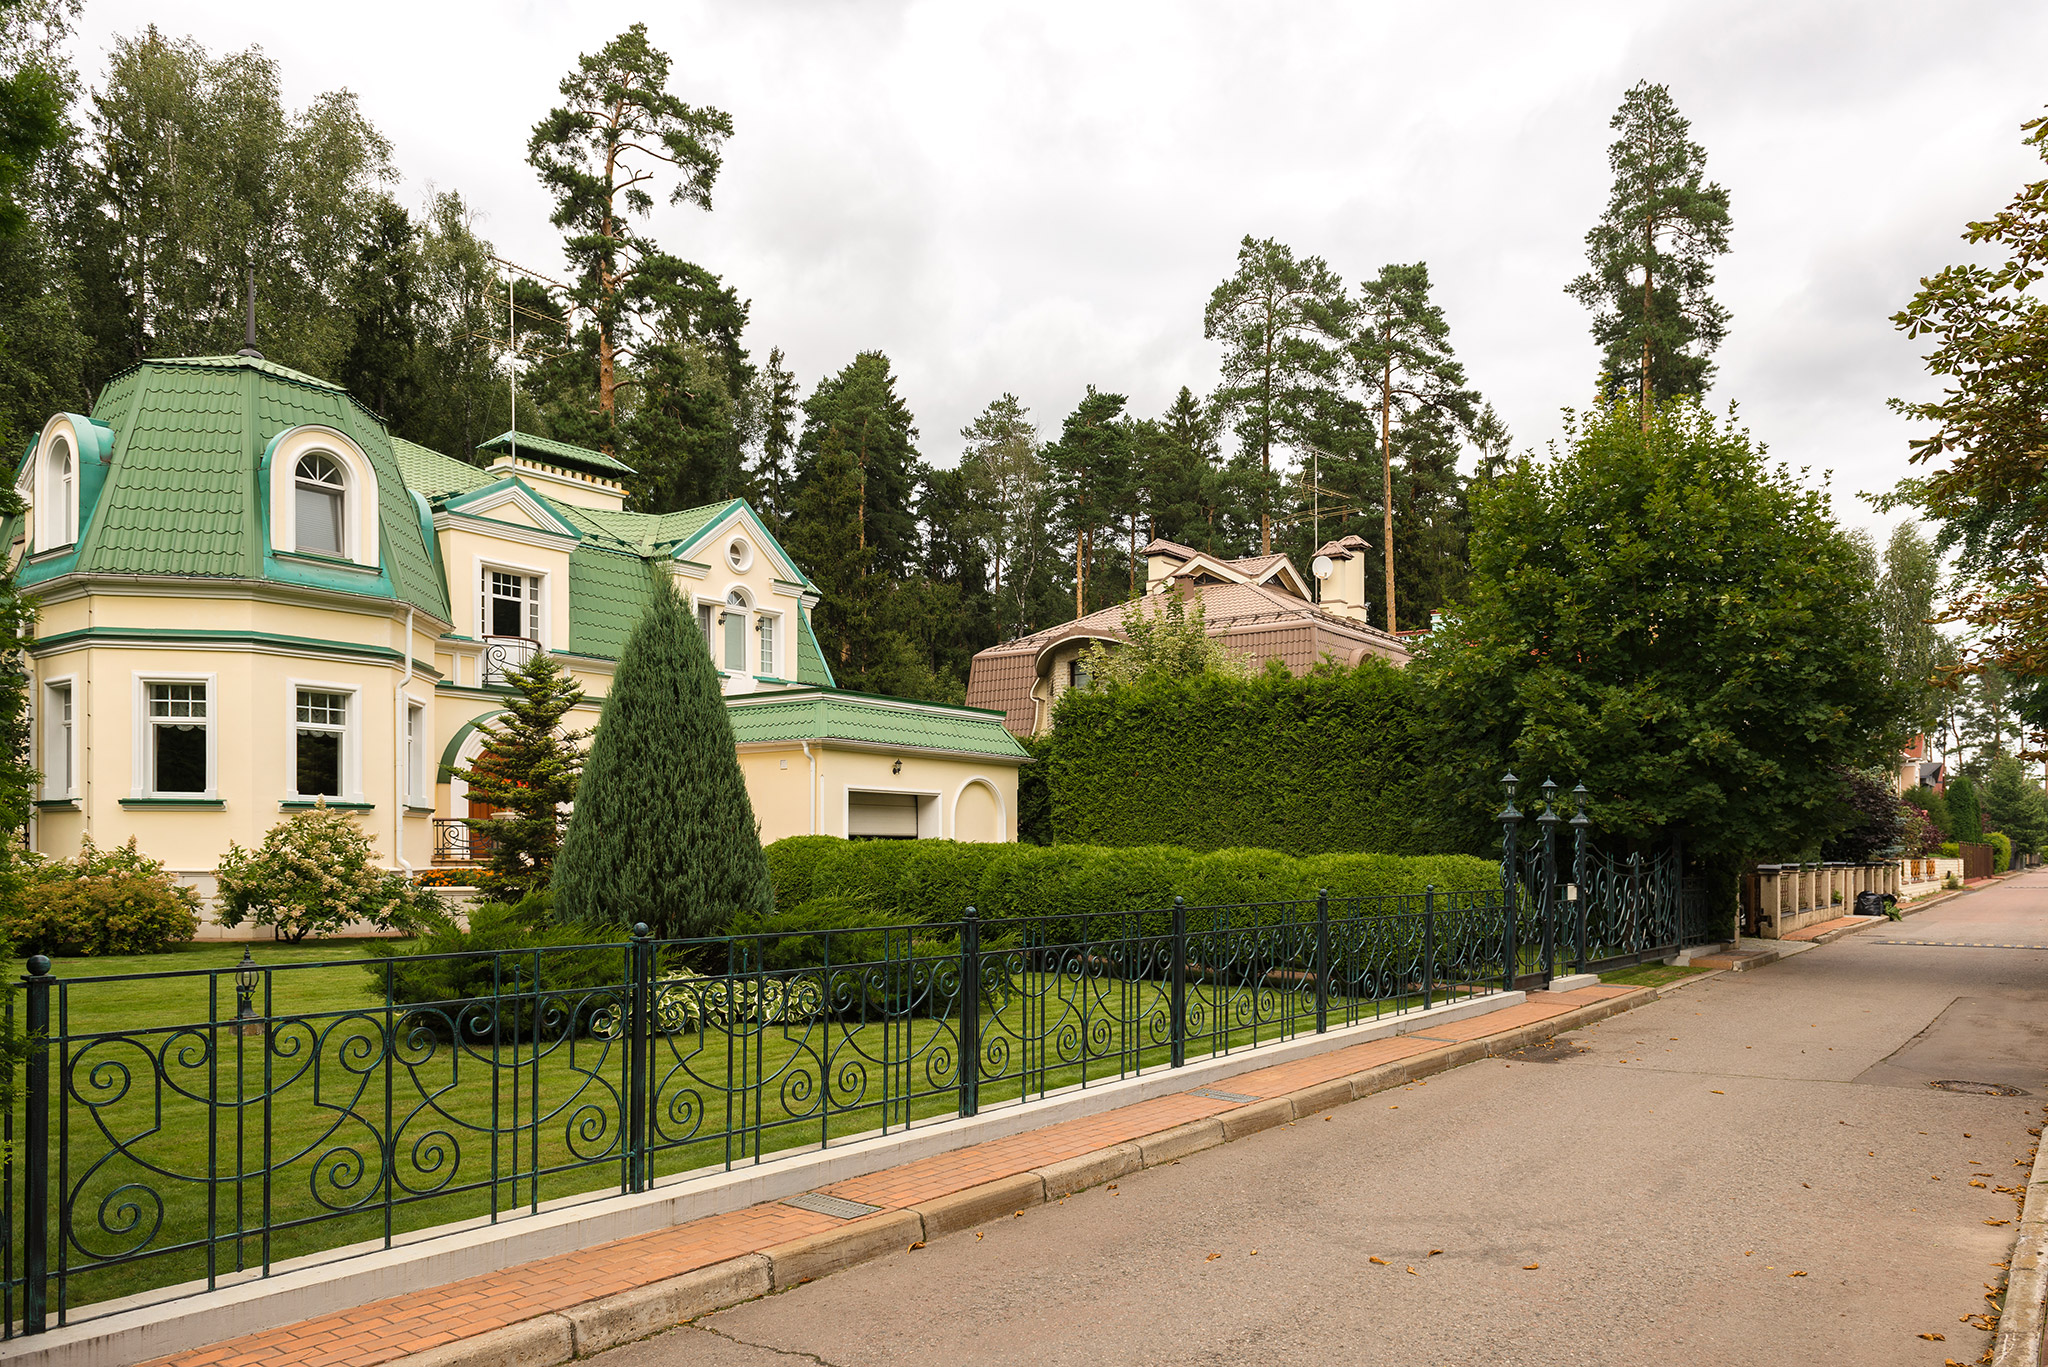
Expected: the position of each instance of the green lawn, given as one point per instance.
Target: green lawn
(295, 1135)
(1650, 975)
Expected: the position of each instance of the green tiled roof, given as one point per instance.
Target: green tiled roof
(581, 457)
(182, 492)
(435, 475)
(607, 593)
(828, 714)
(810, 662)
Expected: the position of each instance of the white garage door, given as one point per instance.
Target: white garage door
(881, 816)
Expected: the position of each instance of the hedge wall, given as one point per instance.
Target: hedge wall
(1334, 760)
(905, 882)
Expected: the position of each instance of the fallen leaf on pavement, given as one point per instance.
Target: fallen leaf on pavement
(1254, 1253)
(1018, 1216)
(1413, 1273)
(1530, 1267)
(914, 1247)
(1720, 1093)
(977, 1234)
(1998, 1222)
(1976, 1184)
(1935, 1338)
(1795, 1274)
(1381, 1261)
(1212, 1257)
(1434, 1251)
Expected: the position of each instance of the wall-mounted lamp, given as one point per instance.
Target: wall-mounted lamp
(897, 767)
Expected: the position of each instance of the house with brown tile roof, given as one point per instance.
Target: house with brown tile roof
(1261, 607)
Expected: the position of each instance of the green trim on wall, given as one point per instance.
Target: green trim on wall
(212, 804)
(300, 804)
(195, 637)
(62, 804)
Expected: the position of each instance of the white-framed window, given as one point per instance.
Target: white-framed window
(739, 554)
(175, 743)
(732, 620)
(512, 603)
(707, 622)
(60, 741)
(319, 504)
(320, 741)
(60, 513)
(323, 496)
(416, 753)
(766, 623)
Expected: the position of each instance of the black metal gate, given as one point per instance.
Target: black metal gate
(1571, 903)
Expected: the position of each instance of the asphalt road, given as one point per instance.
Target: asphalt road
(1670, 1172)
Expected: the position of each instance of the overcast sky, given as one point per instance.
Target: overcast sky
(1036, 197)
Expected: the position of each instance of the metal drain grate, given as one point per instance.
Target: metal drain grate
(838, 1207)
(1218, 1094)
(1978, 1088)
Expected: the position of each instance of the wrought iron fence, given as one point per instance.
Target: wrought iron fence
(186, 1129)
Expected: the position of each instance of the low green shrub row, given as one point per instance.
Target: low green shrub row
(908, 882)
(116, 901)
(2001, 850)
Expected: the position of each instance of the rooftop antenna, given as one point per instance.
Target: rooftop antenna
(512, 310)
(249, 332)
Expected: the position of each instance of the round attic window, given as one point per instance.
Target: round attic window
(739, 554)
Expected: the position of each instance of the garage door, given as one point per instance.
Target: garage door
(881, 816)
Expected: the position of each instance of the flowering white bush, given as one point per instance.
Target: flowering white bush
(314, 873)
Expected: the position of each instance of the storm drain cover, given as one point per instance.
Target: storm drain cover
(1218, 1094)
(1978, 1088)
(838, 1207)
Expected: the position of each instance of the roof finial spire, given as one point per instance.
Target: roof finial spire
(249, 335)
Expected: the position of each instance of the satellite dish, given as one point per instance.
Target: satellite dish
(1323, 567)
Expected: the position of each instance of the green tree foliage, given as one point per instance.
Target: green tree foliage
(1908, 580)
(1008, 513)
(383, 297)
(1185, 488)
(2015, 804)
(458, 377)
(117, 901)
(1869, 819)
(772, 476)
(1665, 616)
(876, 431)
(1162, 640)
(1988, 329)
(824, 536)
(1281, 323)
(1651, 256)
(1965, 815)
(528, 769)
(1400, 357)
(1339, 759)
(1089, 468)
(617, 132)
(32, 73)
(663, 831)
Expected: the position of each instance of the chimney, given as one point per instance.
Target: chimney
(1343, 593)
(249, 331)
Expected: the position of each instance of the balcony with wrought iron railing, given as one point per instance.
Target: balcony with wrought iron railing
(503, 654)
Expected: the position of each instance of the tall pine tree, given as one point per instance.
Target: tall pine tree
(528, 769)
(1652, 256)
(663, 830)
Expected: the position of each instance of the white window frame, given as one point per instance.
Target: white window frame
(351, 740)
(744, 561)
(748, 648)
(415, 737)
(358, 494)
(60, 510)
(769, 627)
(544, 622)
(340, 490)
(144, 772)
(59, 734)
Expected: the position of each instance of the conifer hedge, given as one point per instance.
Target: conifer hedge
(1335, 760)
(907, 882)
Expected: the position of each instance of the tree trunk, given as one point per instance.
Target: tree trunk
(1387, 480)
(1649, 244)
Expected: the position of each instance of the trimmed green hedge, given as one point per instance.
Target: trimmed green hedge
(2001, 850)
(1332, 761)
(906, 882)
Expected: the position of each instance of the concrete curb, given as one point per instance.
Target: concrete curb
(579, 1331)
(2026, 1285)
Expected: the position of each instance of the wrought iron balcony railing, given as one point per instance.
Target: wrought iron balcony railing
(503, 654)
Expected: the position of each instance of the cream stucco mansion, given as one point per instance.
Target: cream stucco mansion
(253, 597)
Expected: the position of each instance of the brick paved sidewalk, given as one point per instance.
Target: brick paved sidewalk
(391, 1329)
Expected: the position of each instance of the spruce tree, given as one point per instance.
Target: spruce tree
(529, 767)
(663, 831)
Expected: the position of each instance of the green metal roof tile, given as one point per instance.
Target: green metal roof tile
(607, 593)
(580, 457)
(827, 714)
(429, 472)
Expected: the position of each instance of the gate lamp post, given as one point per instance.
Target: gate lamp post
(246, 976)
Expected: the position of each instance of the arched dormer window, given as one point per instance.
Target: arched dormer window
(323, 496)
(319, 504)
(60, 516)
(735, 623)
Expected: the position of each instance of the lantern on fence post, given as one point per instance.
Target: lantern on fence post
(1580, 824)
(247, 975)
(1510, 875)
(1546, 877)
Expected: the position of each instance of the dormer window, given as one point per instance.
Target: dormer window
(318, 504)
(60, 518)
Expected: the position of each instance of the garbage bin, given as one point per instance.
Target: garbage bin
(1874, 903)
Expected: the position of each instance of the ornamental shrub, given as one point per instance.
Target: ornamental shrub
(2001, 850)
(116, 901)
(315, 874)
(663, 831)
(1966, 820)
(503, 953)
(793, 864)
